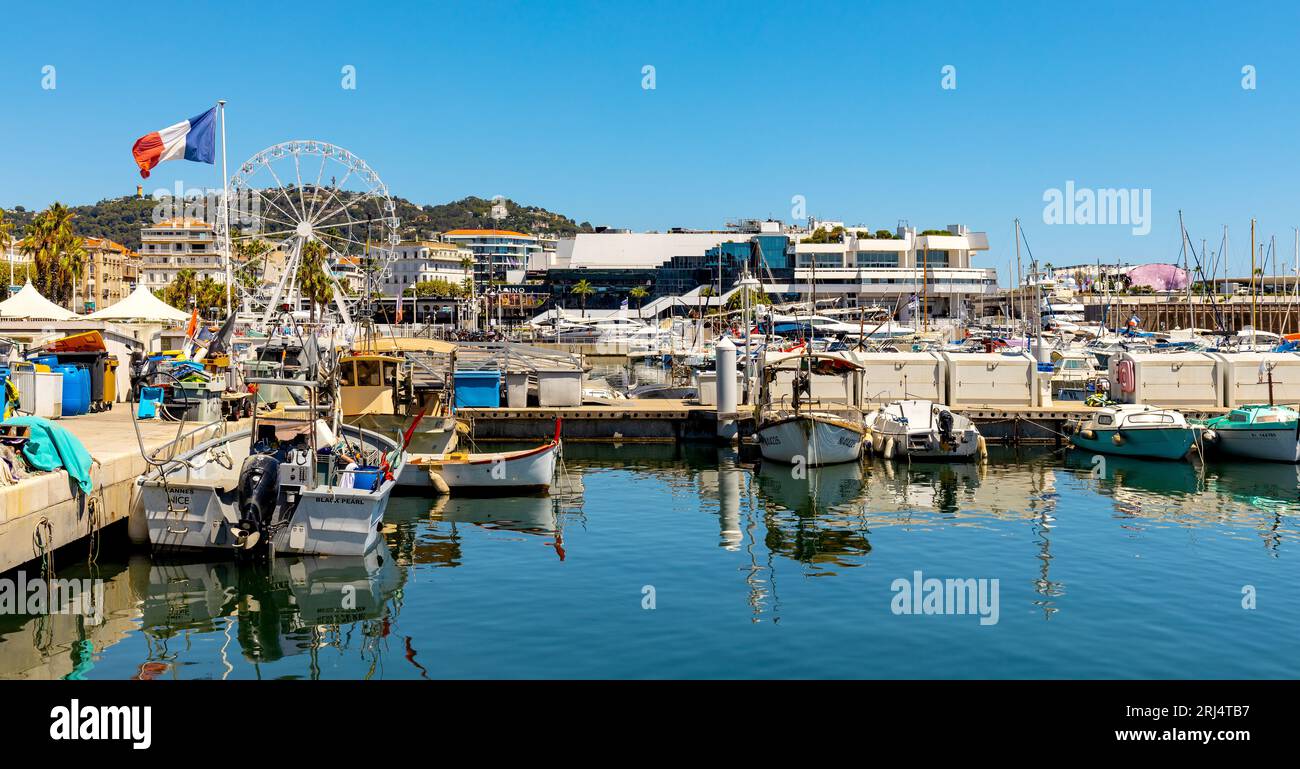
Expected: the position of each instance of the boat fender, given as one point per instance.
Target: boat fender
(439, 483)
(983, 447)
(1117, 439)
(889, 448)
(1210, 436)
(1088, 435)
(259, 489)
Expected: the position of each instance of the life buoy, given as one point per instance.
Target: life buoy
(1124, 375)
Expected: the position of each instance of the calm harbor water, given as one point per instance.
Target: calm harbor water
(1134, 569)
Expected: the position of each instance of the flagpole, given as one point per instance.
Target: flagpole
(225, 209)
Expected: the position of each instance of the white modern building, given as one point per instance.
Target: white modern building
(421, 261)
(936, 268)
(857, 264)
(500, 255)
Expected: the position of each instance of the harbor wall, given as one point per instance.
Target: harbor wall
(48, 512)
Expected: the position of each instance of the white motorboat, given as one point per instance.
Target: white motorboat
(289, 482)
(923, 430)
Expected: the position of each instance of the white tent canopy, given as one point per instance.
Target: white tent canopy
(28, 304)
(141, 306)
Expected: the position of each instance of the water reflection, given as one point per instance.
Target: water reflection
(1263, 496)
(278, 608)
(729, 532)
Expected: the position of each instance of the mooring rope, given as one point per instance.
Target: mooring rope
(42, 545)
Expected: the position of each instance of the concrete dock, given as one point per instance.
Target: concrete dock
(48, 512)
(666, 421)
(628, 420)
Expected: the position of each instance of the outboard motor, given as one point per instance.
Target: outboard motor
(259, 489)
(945, 427)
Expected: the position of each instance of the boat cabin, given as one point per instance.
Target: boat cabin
(368, 384)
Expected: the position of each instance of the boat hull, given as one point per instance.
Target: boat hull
(810, 441)
(1276, 444)
(1163, 443)
(506, 473)
(432, 436)
(196, 504)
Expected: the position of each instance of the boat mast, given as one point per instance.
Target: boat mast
(1191, 313)
(1020, 286)
(1252, 283)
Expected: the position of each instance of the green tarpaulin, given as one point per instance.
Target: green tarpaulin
(52, 447)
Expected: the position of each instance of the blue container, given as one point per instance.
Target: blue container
(366, 478)
(76, 389)
(478, 389)
(46, 360)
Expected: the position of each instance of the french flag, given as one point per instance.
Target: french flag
(194, 139)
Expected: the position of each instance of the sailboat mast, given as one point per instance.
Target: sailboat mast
(1252, 282)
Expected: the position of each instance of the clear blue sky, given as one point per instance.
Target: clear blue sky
(754, 103)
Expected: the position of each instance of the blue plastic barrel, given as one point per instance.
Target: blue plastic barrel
(365, 478)
(46, 360)
(76, 389)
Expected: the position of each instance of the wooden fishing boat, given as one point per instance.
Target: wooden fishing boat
(801, 433)
(504, 473)
(380, 392)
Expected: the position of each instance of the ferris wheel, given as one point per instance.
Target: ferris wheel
(298, 193)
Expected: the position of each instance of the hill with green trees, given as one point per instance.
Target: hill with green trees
(120, 219)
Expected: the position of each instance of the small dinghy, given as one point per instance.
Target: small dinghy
(924, 430)
(505, 473)
(289, 483)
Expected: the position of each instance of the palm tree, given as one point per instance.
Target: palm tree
(181, 291)
(59, 255)
(639, 293)
(252, 256)
(756, 297)
(312, 279)
(583, 289)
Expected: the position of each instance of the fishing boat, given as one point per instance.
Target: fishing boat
(292, 482)
(923, 430)
(1134, 430)
(381, 392)
(1258, 431)
(802, 432)
(503, 473)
